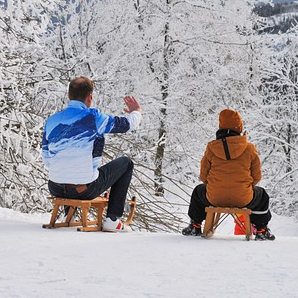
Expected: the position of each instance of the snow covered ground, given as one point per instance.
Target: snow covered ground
(35, 262)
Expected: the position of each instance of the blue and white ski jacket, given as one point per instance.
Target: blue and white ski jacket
(73, 141)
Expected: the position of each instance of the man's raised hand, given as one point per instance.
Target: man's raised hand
(132, 104)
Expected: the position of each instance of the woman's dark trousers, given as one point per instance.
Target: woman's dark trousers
(259, 205)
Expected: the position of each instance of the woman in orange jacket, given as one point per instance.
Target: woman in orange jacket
(230, 170)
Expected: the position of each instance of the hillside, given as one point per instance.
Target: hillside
(65, 263)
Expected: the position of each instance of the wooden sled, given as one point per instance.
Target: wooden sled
(216, 215)
(83, 206)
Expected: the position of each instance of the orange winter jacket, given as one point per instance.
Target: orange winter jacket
(230, 182)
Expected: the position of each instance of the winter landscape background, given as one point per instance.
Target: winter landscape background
(185, 60)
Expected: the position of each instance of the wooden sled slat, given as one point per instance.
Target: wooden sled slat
(216, 215)
(84, 225)
(84, 205)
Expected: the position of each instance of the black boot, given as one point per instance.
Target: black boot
(193, 229)
(264, 234)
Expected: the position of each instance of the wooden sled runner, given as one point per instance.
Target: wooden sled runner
(84, 225)
(216, 215)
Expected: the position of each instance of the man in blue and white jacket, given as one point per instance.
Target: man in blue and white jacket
(72, 147)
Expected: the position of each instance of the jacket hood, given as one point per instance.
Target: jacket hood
(236, 145)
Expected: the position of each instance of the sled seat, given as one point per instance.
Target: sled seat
(84, 225)
(84, 206)
(216, 215)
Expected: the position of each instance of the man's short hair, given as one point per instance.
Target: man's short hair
(79, 88)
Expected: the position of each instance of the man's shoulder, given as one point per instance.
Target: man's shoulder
(96, 112)
(68, 112)
(55, 116)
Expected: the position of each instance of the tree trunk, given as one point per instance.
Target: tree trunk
(162, 133)
(287, 150)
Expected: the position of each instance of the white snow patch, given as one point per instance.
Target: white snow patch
(64, 263)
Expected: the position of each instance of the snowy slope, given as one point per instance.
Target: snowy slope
(65, 263)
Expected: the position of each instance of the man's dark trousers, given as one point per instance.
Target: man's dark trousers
(115, 174)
